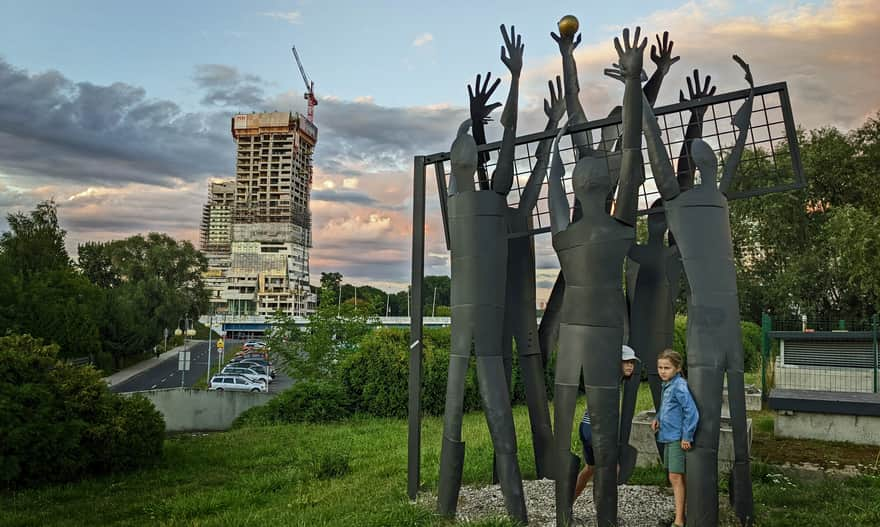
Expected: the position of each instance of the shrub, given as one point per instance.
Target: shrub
(306, 401)
(60, 422)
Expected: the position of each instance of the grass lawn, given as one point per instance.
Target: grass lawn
(354, 473)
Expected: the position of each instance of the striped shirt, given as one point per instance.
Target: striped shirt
(586, 419)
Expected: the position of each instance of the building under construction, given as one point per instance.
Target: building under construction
(257, 231)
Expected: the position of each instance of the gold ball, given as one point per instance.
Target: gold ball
(568, 25)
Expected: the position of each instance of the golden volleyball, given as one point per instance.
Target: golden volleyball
(568, 25)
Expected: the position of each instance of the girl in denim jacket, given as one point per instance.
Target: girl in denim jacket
(676, 423)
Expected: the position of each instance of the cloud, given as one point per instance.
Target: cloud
(226, 86)
(291, 17)
(422, 39)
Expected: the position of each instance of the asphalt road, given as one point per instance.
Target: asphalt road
(165, 373)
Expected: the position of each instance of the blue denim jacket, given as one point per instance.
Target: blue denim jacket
(678, 415)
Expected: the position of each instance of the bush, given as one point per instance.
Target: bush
(60, 422)
(306, 401)
(751, 341)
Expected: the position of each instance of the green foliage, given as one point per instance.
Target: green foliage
(314, 352)
(751, 340)
(60, 422)
(813, 250)
(307, 401)
(34, 242)
(329, 465)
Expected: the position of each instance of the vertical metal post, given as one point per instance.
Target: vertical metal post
(415, 329)
(874, 335)
(766, 327)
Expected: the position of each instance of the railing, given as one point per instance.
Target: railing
(822, 355)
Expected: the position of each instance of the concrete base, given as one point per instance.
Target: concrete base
(643, 439)
(753, 400)
(860, 429)
(186, 409)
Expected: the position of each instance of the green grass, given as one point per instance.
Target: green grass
(354, 473)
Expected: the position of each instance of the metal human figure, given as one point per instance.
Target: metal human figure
(699, 220)
(478, 236)
(653, 272)
(520, 324)
(662, 56)
(591, 252)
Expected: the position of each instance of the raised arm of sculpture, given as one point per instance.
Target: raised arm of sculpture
(661, 55)
(685, 167)
(554, 110)
(560, 208)
(568, 40)
(741, 121)
(511, 56)
(480, 108)
(631, 177)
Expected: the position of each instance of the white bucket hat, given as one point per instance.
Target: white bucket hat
(628, 353)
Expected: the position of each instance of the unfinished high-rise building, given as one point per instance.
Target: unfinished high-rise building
(256, 230)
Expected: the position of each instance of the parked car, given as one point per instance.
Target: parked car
(235, 383)
(258, 366)
(252, 355)
(254, 345)
(249, 373)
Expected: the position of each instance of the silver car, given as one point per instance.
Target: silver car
(235, 383)
(249, 373)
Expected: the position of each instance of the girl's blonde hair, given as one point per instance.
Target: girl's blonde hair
(672, 356)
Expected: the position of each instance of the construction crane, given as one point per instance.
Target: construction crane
(309, 95)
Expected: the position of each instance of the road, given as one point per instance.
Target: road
(165, 374)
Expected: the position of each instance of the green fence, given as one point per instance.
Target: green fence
(820, 354)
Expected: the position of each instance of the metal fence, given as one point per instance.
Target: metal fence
(821, 354)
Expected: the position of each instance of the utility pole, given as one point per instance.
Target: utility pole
(434, 302)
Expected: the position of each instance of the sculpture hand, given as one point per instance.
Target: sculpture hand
(567, 43)
(747, 69)
(695, 91)
(630, 55)
(479, 109)
(555, 109)
(615, 73)
(513, 47)
(663, 59)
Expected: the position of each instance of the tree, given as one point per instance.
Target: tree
(34, 242)
(812, 251)
(313, 352)
(330, 283)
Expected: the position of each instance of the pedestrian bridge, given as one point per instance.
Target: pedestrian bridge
(253, 325)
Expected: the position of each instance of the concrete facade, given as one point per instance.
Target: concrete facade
(860, 429)
(642, 438)
(187, 409)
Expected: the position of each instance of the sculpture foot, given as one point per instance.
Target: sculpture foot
(740, 488)
(565, 483)
(511, 486)
(451, 466)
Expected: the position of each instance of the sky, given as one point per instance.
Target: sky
(120, 111)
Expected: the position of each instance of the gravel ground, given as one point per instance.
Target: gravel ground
(639, 506)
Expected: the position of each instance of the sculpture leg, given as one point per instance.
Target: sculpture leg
(548, 331)
(628, 454)
(601, 380)
(568, 367)
(499, 417)
(740, 475)
(705, 378)
(452, 449)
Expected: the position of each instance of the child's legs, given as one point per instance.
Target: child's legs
(673, 459)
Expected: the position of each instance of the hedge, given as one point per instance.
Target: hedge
(60, 422)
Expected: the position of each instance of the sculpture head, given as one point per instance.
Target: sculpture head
(705, 161)
(591, 182)
(463, 158)
(656, 221)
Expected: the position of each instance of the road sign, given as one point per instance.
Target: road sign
(220, 343)
(166, 333)
(183, 359)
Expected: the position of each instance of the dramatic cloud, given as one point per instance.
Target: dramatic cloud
(291, 17)
(226, 86)
(53, 129)
(422, 39)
